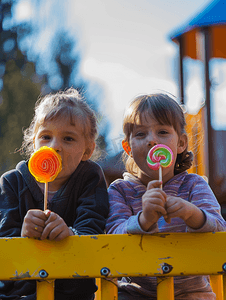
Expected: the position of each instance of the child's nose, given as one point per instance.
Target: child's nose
(152, 140)
(55, 144)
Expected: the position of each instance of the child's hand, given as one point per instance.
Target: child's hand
(34, 223)
(55, 228)
(153, 205)
(176, 207)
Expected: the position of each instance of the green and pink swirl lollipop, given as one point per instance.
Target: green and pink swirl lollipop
(160, 156)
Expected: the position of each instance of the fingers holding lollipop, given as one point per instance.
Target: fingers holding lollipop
(45, 165)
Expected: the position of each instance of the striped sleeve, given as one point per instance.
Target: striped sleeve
(121, 217)
(203, 197)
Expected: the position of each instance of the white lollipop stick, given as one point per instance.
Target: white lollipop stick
(160, 176)
(46, 196)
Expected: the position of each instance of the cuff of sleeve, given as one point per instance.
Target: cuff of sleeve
(73, 230)
(133, 226)
(208, 226)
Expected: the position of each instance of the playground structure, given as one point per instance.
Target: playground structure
(110, 256)
(202, 38)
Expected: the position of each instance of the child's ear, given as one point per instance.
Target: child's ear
(182, 143)
(89, 151)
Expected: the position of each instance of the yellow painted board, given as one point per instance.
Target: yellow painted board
(113, 256)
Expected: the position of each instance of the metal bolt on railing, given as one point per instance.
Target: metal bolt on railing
(105, 271)
(43, 274)
(166, 268)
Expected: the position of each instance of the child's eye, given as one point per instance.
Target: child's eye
(45, 137)
(140, 134)
(163, 132)
(68, 139)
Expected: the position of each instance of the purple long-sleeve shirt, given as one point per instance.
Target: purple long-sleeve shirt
(125, 196)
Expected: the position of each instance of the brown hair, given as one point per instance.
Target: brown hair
(164, 110)
(67, 104)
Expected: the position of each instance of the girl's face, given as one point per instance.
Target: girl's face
(147, 134)
(69, 141)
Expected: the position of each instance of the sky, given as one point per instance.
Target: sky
(125, 47)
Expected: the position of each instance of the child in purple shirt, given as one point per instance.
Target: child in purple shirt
(138, 204)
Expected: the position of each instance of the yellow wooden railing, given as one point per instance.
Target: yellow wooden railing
(110, 256)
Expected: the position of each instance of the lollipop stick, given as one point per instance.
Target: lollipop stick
(45, 196)
(160, 176)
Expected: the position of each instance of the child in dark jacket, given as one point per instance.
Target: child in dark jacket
(77, 198)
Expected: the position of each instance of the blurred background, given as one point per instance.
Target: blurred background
(111, 51)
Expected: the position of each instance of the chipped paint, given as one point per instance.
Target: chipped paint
(140, 275)
(168, 257)
(140, 244)
(161, 235)
(94, 237)
(159, 271)
(122, 274)
(77, 275)
(21, 275)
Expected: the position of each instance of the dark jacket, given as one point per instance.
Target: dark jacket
(83, 204)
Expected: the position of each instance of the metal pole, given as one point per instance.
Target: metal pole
(45, 289)
(181, 71)
(216, 282)
(210, 141)
(165, 288)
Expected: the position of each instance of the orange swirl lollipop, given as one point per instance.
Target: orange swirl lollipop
(45, 164)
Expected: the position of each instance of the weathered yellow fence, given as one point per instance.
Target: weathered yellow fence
(107, 256)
